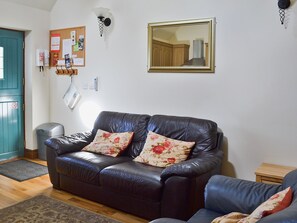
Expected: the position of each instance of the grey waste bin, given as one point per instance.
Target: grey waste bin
(44, 132)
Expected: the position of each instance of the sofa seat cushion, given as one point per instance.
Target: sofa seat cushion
(134, 179)
(85, 166)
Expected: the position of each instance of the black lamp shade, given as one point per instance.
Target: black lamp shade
(107, 21)
(284, 4)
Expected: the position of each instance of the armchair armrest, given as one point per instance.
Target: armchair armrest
(72, 143)
(225, 194)
(205, 162)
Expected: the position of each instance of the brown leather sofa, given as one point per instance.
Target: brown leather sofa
(146, 191)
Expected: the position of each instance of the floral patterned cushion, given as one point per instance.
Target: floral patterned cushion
(110, 144)
(275, 203)
(233, 217)
(161, 151)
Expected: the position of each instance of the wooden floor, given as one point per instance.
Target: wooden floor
(12, 192)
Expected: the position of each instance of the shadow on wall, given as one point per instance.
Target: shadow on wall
(227, 167)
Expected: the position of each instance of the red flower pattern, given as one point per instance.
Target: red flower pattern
(158, 149)
(154, 137)
(171, 160)
(274, 196)
(167, 144)
(111, 151)
(106, 135)
(116, 140)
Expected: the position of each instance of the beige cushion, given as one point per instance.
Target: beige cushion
(275, 203)
(161, 151)
(232, 217)
(110, 144)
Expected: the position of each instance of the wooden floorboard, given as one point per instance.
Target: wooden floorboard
(12, 192)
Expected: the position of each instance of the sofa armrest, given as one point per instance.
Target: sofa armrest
(72, 143)
(61, 145)
(225, 194)
(205, 162)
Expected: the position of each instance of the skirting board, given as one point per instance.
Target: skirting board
(31, 154)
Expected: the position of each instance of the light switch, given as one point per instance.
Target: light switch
(96, 83)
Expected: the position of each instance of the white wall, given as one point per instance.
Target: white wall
(35, 23)
(251, 95)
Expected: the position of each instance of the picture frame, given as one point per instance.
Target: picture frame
(182, 46)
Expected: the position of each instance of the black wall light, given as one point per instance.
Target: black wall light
(102, 18)
(283, 5)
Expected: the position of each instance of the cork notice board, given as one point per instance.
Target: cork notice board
(68, 41)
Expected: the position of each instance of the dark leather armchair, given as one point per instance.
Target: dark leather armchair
(146, 191)
(224, 195)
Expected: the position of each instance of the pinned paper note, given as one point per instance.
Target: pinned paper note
(73, 37)
(60, 62)
(78, 61)
(75, 48)
(81, 41)
(67, 47)
(55, 42)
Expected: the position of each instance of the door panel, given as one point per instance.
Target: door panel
(11, 137)
(11, 94)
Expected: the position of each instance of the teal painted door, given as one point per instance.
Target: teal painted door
(11, 94)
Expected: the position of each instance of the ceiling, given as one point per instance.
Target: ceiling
(39, 4)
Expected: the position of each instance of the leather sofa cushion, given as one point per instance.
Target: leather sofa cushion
(124, 122)
(85, 166)
(202, 132)
(134, 179)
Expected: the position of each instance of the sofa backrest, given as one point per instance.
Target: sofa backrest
(290, 180)
(202, 132)
(124, 122)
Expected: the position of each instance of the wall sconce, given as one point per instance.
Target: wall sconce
(103, 18)
(283, 5)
